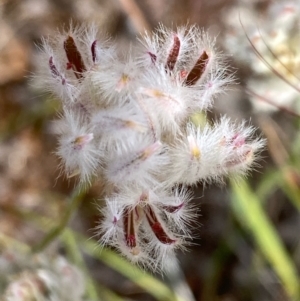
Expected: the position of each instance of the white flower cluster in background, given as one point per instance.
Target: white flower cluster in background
(39, 278)
(126, 123)
(272, 53)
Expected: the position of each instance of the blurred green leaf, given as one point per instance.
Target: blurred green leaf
(288, 184)
(148, 282)
(153, 286)
(73, 203)
(249, 211)
(268, 184)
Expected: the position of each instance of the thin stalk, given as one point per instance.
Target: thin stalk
(141, 278)
(250, 213)
(74, 202)
(153, 286)
(75, 254)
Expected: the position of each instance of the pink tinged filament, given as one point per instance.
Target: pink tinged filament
(93, 50)
(153, 57)
(115, 220)
(54, 70)
(237, 140)
(144, 197)
(156, 227)
(74, 57)
(288, 9)
(129, 228)
(173, 54)
(138, 159)
(198, 70)
(81, 141)
(183, 74)
(241, 158)
(145, 154)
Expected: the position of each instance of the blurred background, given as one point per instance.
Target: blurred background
(249, 244)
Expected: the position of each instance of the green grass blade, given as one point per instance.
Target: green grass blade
(153, 286)
(250, 213)
(73, 203)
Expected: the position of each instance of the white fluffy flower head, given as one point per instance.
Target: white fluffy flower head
(126, 123)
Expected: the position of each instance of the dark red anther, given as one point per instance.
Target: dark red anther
(173, 54)
(198, 70)
(53, 68)
(55, 72)
(156, 227)
(153, 57)
(93, 50)
(173, 209)
(74, 57)
(129, 228)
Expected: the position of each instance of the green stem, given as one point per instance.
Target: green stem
(74, 202)
(74, 253)
(153, 286)
(10, 242)
(92, 290)
(156, 288)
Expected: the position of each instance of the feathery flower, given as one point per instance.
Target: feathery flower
(126, 122)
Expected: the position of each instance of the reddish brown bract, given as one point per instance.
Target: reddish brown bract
(197, 71)
(74, 57)
(173, 54)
